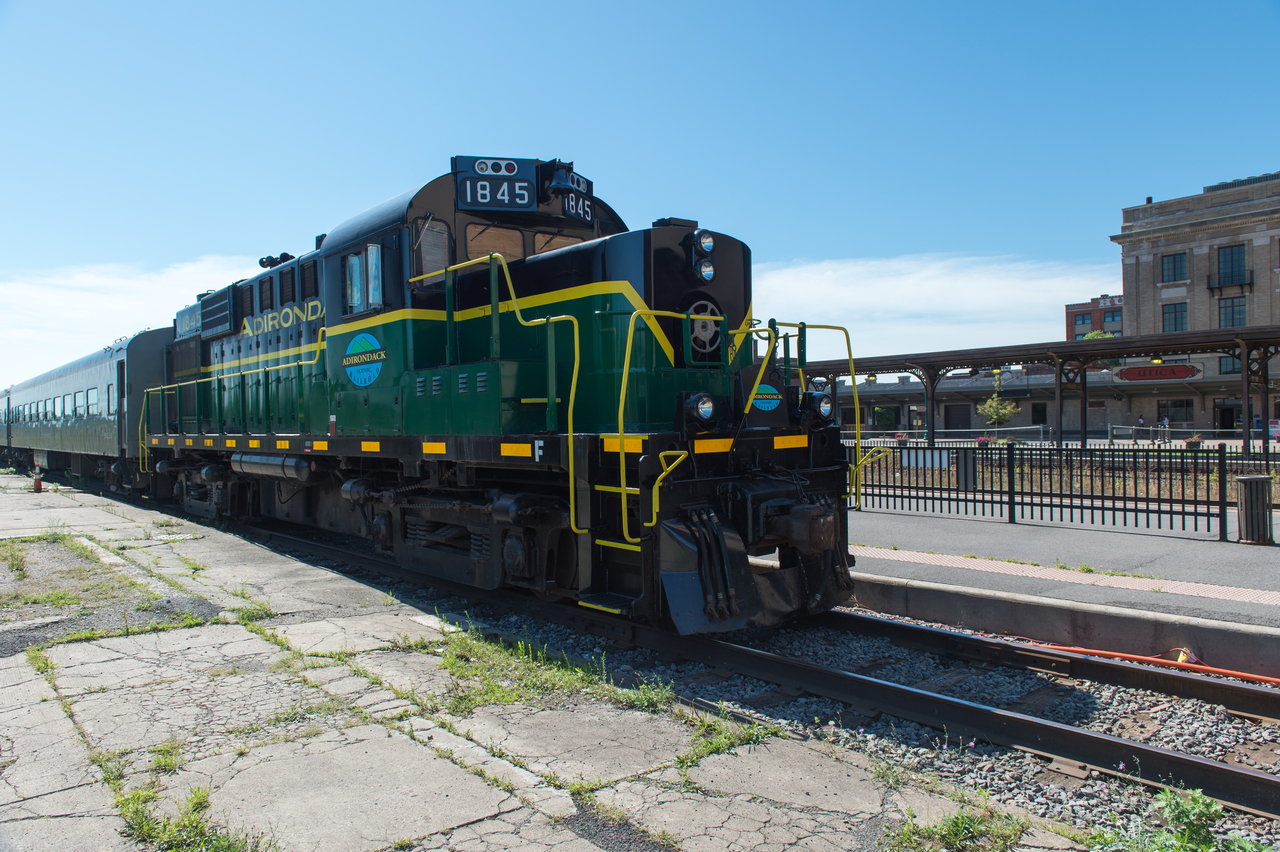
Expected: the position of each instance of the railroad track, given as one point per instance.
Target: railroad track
(1065, 745)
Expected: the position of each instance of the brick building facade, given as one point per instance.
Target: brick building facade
(1100, 314)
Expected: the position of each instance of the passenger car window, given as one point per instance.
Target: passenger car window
(66, 405)
(111, 399)
(93, 402)
(79, 404)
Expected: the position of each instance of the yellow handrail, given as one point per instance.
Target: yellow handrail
(860, 459)
(622, 396)
(680, 455)
(577, 357)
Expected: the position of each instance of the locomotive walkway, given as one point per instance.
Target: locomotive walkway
(310, 707)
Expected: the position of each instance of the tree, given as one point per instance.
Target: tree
(998, 411)
(1111, 363)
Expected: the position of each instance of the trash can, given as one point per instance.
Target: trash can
(966, 470)
(1253, 510)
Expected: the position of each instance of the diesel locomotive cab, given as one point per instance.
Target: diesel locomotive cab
(495, 380)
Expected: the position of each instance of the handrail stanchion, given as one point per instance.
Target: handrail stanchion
(450, 333)
(553, 412)
(495, 344)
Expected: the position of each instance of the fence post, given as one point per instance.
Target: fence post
(1011, 493)
(1222, 492)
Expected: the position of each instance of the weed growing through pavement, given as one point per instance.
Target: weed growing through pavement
(974, 829)
(166, 758)
(485, 672)
(189, 831)
(192, 565)
(40, 661)
(12, 555)
(112, 765)
(720, 735)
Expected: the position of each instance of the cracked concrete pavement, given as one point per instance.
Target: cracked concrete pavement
(321, 726)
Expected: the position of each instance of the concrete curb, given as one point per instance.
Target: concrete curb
(1241, 647)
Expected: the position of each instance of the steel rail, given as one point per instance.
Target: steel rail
(1241, 698)
(1244, 789)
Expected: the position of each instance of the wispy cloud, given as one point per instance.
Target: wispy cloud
(890, 305)
(922, 303)
(51, 317)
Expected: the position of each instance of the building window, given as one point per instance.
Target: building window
(1177, 410)
(362, 280)
(1079, 337)
(1228, 366)
(1039, 413)
(1084, 319)
(1230, 266)
(1231, 312)
(1111, 316)
(1175, 317)
(1173, 267)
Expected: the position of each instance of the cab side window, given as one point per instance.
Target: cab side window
(362, 280)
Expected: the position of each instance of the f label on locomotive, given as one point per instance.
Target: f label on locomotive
(495, 380)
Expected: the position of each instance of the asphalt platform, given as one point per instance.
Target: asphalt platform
(1181, 573)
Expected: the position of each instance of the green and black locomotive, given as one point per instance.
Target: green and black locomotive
(496, 380)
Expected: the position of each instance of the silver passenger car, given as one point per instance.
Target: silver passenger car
(84, 416)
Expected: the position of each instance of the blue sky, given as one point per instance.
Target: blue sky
(931, 158)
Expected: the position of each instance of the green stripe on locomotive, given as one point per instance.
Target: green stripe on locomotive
(377, 387)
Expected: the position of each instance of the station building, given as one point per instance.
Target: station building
(1203, 262)
(1206, 261)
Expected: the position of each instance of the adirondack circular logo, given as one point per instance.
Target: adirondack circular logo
(363, 361)
(768, 398)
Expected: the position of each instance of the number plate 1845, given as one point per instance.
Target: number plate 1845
(485, 193)
(577, 206)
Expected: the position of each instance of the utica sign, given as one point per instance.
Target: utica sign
(1158, 373)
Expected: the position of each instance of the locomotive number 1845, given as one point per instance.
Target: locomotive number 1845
(496, 192)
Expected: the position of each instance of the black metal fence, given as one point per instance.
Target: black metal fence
(1146, 488)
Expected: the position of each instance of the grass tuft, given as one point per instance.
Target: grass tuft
(974, 829)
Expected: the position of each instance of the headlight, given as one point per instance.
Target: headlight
(706, 270)
(824, 407)
(704, 242)
(700, 408)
